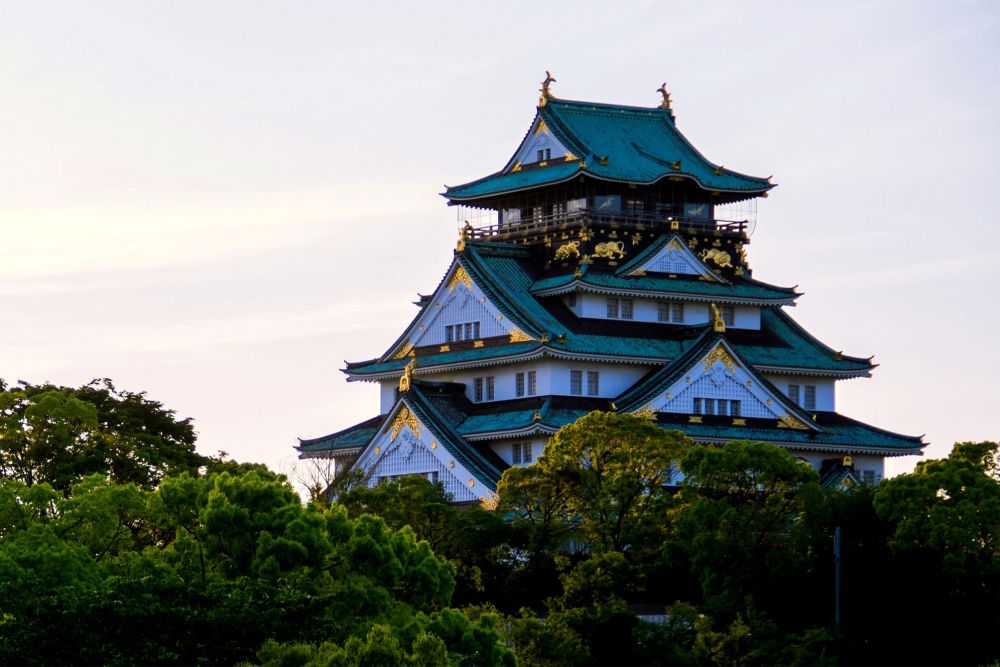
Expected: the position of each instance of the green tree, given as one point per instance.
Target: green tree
(59, 435)
(603, 476)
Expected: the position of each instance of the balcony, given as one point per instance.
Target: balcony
(537, 227)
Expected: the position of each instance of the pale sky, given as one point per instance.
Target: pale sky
(219, 202)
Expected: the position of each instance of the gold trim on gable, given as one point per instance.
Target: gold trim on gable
(405, 418)
(460, 276)
(720, 353)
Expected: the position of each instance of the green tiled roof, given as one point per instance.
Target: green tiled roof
(742, 290)
(506, 274)
(785, 344)
(554, 412)
(838, 431)
(437, 405)
(355, 437)
(617, 143)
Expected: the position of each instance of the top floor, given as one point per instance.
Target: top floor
(585, 163)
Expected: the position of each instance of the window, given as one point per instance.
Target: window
(716, 406)
(519, 384)
(576, 382)
(460, 332)
(593, 383)
(521, 453)
(627, 309)
(432, 477)
(532, 383)
(489, 388)
(868, 476)
(608, 204)
(793, 393)
(544, 154)
(728, 315)
(809, 402)
(612, 308)
(477, 390)
(672, 312)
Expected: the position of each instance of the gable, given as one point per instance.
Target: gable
(719, 376)
(540, 138)
(405, 446)
(459, 302)
(674, 258)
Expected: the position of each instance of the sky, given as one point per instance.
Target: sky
(220, 202)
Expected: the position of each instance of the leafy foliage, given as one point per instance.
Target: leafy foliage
(58, 435)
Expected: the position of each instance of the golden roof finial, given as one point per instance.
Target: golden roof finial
(546, 94)
(665, 103)
(407, 377)
(718, 324)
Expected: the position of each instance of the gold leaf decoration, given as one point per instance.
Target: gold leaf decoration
(403, 351)
(720, 353)
(490, 501)
(405, 418)
(518, 336)
(460, 276)
(788, 421)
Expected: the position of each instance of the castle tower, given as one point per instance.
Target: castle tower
(598, 271)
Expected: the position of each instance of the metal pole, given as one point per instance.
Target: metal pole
(836, 566)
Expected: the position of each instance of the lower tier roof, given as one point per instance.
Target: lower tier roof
(470, 425)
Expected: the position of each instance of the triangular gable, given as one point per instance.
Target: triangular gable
(405, 445)
(457, 301)
(670, 256)
(718, 374)
(539, 138)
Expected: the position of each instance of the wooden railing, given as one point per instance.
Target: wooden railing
(558, 222)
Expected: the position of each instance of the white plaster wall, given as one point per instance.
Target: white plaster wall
(647, 310)
(825, 389)
(505, 449)
(387, 395)
(458, 307)
(552, 378)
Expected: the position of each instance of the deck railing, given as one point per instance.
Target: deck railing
(559, 222)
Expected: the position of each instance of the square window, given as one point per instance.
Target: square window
(709, 406)
(519, 384)
(576, 382)
(612, 308)
(728, 315)
(810, 397)
(677, 313)
(489, 388)
(593, 383)
(532, 383)
(477, 390)
(626, 311)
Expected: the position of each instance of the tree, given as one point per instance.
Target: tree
(943, 534)
(59, 435)
(603, 476)
(740, 524)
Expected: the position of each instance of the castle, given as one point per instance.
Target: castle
(597, 270)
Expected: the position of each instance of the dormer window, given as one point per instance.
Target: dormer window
(544, 154)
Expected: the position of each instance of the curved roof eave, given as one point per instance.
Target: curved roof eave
(609, 179)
